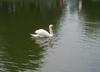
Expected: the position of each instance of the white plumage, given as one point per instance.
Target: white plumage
(43, 33)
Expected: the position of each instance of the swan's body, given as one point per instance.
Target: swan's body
(43, 33)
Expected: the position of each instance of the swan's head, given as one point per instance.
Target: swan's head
(50, 25)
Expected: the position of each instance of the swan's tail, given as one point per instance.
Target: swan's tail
(34, 35)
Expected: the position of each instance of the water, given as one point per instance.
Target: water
(75, 46)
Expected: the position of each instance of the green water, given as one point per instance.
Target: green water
(75, 46)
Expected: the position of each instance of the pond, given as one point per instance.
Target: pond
(75, 46)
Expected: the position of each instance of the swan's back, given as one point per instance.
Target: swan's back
(42, 33)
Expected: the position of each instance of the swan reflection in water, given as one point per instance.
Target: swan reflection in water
(43, 37)
(44, 42)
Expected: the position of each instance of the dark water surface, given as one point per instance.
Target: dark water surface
(75, 46)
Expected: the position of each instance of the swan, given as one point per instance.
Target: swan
(43, 33)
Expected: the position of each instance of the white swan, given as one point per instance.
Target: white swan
(44, 33)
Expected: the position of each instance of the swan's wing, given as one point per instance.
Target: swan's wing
(42, 32)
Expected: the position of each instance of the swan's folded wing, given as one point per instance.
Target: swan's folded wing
(42, 32)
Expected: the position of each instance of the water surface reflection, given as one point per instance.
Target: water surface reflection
(74, 48)
(17, 20)
(78, 40)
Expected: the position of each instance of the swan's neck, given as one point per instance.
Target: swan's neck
(51, 31)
